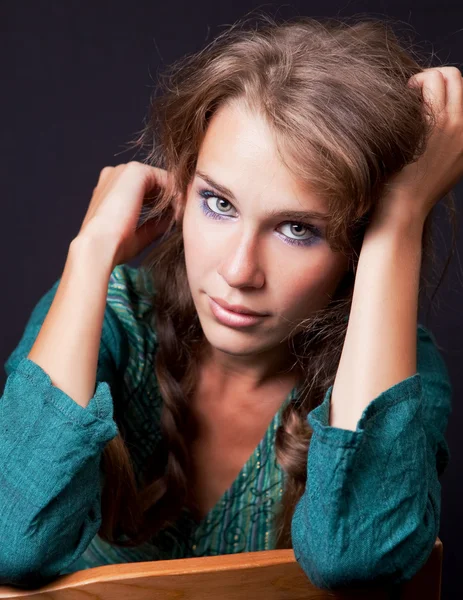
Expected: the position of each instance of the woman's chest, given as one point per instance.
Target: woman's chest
(225, 441)
(216, 462)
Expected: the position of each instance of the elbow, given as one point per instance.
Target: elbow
(32, 557)
(333, 571)
(357, 563)
(340, 571)
(24, 566)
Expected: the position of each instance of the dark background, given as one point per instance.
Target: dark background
(76, 79)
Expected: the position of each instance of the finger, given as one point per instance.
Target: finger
(454, 81)
(160, 179)
(433, 87)
(107, 176)
(104, 174)
(153, 176)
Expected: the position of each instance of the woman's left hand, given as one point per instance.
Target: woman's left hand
(412, 193)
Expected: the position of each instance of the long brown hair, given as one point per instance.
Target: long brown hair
(334, 92)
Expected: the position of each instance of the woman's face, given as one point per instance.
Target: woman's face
(239, 250)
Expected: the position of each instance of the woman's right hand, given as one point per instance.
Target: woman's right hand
(115, 208)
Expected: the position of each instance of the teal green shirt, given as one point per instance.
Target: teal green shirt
(370, 510)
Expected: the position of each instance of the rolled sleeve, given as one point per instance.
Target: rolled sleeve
(50, 453)
(371, 507)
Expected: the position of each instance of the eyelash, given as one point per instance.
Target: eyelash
(205, 194)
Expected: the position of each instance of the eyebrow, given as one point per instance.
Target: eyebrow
(287, 214)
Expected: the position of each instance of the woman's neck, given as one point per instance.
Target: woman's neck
(248, 374)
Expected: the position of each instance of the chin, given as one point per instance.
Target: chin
(231, 341)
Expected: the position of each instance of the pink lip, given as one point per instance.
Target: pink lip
(233, 319)
(237, 308)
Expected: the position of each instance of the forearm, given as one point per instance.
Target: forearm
(380, 345)
(67, 345)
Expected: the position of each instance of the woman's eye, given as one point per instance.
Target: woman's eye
(218, 204)
(298, 233)
(216, 207)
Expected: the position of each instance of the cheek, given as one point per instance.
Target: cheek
(308, 289)
(193, 243)
(202, 239)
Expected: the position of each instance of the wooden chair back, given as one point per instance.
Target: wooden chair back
(266, 575)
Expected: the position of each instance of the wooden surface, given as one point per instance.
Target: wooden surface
(267, 575)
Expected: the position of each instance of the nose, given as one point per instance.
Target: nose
(241, 267)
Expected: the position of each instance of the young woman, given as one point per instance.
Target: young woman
(166, 411)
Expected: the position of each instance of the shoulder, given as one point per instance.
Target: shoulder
(129, 309)
(130, 302)
(130, 294)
